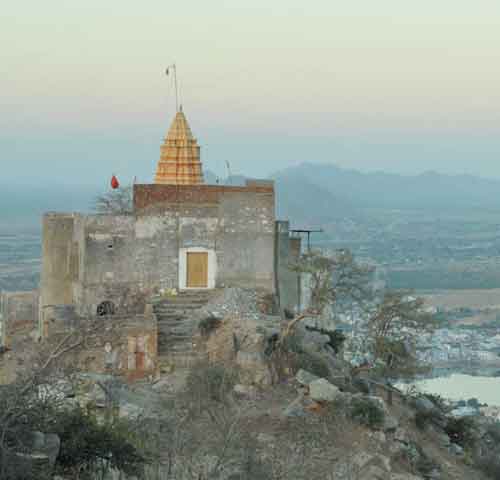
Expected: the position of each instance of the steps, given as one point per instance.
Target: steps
(177, 323)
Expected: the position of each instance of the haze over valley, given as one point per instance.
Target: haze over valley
(426, 232)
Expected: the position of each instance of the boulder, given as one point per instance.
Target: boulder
(401, 435)
(373, 472)
(423, 404)
(305, 378)
(266, 438)
(322, 390)
(248, 391)
(296, 408)
(46, 445)
(371, 467)
(456, 449)
(254, 369)
(391, 423)
(379, 437)
(362, 385)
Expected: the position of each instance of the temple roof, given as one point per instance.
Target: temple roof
(179, 162)
(179, 128)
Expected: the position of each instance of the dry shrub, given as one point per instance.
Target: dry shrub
(210, 382)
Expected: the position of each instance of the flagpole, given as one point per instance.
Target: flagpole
(167, 72)
(176, 90)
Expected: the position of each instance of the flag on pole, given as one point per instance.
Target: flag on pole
(114, 183)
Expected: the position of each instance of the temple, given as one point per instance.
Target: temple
(183, 236)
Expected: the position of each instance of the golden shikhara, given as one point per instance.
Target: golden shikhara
(179, 162)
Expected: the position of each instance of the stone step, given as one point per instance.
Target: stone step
(174, 322)
(176, 308)
(174, 319)
(180, 361)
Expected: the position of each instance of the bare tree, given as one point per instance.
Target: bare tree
(115, 202)
(332, 279)
(394, 328)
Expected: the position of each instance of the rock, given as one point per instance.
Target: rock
(423, 404)
(441, 437)
(130, 410)
(322, 390)
(163, 384)
(379, 437)
(404, 476)
(390, 423)
(295, 409)
(253, 368)
(248, 391)
(305, 378)
(266, 438)
(401, 435)
(362, 385)
(47, 445)
(371, 467)
(379, 402)
(456, 449)
(373, 472)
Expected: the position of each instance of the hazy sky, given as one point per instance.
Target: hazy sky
(389, 84)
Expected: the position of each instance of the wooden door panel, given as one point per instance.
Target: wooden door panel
(197, 269)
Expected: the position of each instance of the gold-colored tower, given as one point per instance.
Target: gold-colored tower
(179, 162)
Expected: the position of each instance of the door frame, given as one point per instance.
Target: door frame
(212, 267)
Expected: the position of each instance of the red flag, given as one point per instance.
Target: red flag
(114, 183)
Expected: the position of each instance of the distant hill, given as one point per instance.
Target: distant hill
(22, 206)
(356, 190)
(307, 203)
(310, 194)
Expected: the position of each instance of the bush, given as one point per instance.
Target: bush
(210, 382)
(494, 432)
(460, 431)
(423, 418)
(313, 363)
(303, 359)
(490, 465)
(367, 412)
(87, 447)
(208, 325)
(437, 400)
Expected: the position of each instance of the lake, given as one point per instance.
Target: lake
(462, 387)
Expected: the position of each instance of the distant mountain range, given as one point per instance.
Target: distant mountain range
(318, 192)
(309, 193)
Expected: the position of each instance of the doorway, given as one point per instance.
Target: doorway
(197, 270)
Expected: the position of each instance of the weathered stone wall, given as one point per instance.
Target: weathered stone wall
(122, 258)
(236, 222)
(126, 345)
(59, 259)
(18, 314)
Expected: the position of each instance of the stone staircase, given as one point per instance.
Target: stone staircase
(177, 323)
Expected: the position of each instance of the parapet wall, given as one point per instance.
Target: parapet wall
(156, 197)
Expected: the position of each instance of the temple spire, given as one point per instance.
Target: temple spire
(179, 162)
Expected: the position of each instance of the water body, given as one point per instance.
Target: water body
(462, 387)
